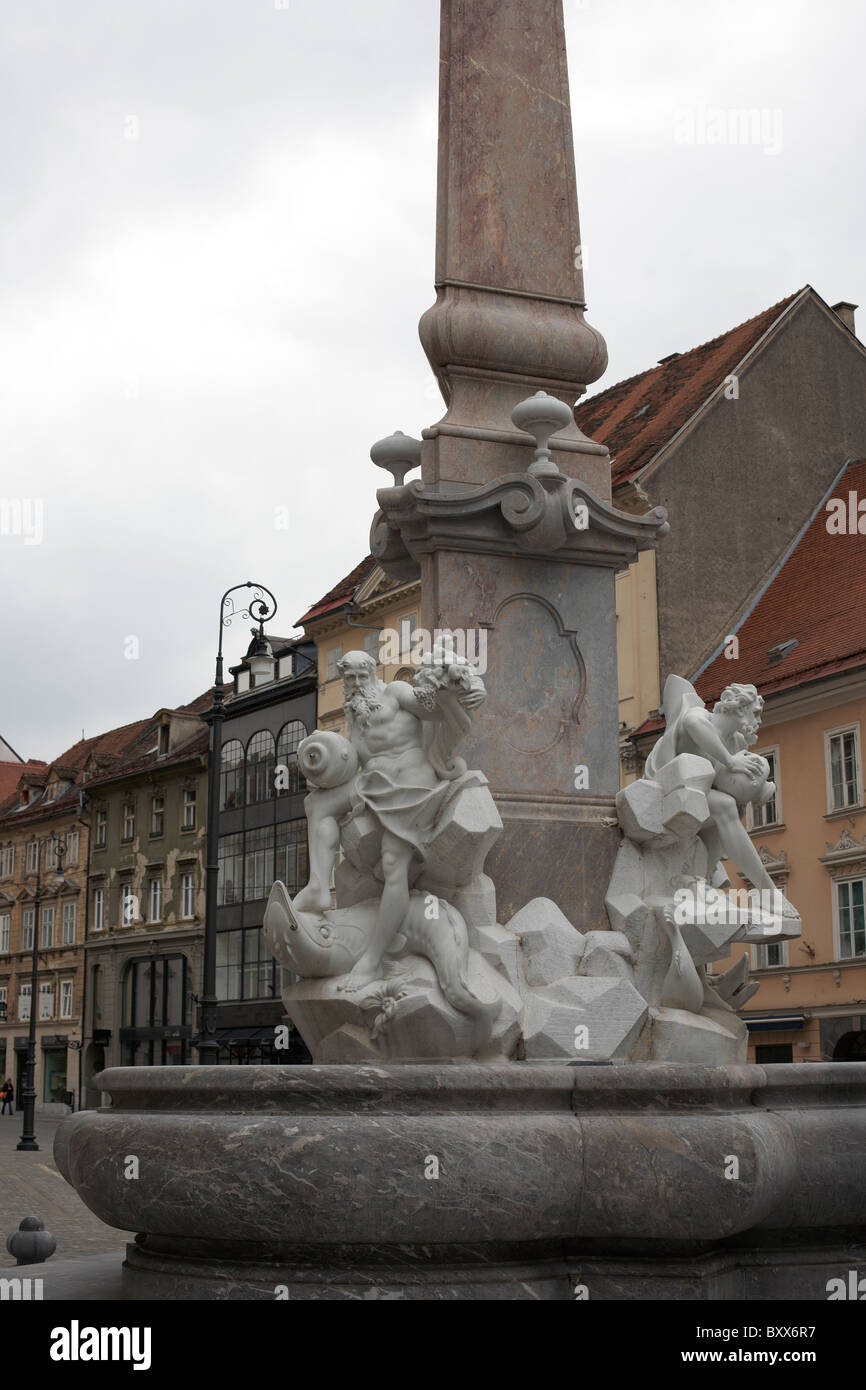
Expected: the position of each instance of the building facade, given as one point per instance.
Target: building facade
(262, 837)
(146, 897)
(34, 904)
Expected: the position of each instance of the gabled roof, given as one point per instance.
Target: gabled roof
(816, 599)
(11, 774)
(638, 417)
(341, 594)
(810, 616)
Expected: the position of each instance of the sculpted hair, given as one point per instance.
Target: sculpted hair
(734, 699)
(356, 659)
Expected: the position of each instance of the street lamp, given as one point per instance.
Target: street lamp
(259, 609)
(28, 1090)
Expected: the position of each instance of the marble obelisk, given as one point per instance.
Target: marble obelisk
(512, 541)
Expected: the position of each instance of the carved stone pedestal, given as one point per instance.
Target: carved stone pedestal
(478, 1182)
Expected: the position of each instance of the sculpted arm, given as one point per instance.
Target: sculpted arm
(698, 725)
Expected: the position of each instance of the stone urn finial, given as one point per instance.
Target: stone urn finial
(541, 416)
(398, 454)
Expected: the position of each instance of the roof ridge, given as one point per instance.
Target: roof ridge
(709, 342)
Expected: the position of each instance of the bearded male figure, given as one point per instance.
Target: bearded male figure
(723, 737)
(395, 781)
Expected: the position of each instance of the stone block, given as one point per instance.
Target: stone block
(583, 1020)
(607, 954)
(684, 811)
(639, 810)
(551, 946)
(712, 1038)
(361, 841)
(464, 834)
(352, 886)
(476, 902)
(500, 948)
(687, 770)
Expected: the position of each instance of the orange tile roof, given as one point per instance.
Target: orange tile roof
(341, 594)
(11, 774)
(637, 417)
(816, 598)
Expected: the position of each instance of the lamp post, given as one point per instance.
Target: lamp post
(28, 1090)
(259, 609)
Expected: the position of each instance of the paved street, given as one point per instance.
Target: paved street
(30, 1185)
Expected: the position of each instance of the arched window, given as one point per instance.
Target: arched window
(232, 775)
(260, 767)
(290, 782)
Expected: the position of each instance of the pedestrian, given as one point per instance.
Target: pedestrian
(7, 1096)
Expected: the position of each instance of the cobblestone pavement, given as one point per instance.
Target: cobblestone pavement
(30, 1185)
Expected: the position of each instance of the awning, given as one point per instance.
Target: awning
(782, 1024)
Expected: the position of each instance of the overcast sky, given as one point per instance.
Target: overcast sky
(216, 241)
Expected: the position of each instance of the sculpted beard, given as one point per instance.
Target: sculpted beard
(361, 705)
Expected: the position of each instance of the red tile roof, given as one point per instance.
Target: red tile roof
(637, 417)
(11, 774)
(341, 594)
(817, 597)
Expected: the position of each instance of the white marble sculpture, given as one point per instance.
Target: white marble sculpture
(413, 827)
(680, 820)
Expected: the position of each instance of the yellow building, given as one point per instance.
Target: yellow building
(803, 645)
(367, 611)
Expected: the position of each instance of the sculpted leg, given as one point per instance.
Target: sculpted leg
(396, 858)
(735, 840)
(323, 809)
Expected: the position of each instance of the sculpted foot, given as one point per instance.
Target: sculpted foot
(311, 899)
(363, 973)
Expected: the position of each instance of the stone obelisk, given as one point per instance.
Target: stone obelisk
(516, 542)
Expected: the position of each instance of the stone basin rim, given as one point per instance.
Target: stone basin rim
(506, 1086)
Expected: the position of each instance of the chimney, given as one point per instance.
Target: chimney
(845, 312)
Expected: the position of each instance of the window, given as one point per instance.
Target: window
(70, 914)
(98, 909)
(32, 858)
(66, 999)
(101, 829)
(156, 900)
(774, 1052)
(128, 905)
(71, 849)
(24, 1003)
(292, 860)
(770, 812)
(260, 767)
(290, 782)
(157, 815)
(28, 926)
(843, 766)
(186, 895)
(7, 861)
(772, 953)
(231, 870)
(372, 644)
(5, 932)
(334, 655)
(232, 776)
(852, 921)
(244, 968)
(47, 926)
(46, 1001)
(129, 820)
(4, 994)
(189, 808)
(164, 739)
(259, 863)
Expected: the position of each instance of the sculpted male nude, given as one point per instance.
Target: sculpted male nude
(395, 781)
(723, 737)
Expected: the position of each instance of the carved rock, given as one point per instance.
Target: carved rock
(610, 1011)
(685, 811)
(607, 954)
(551, 945)
(639, 810)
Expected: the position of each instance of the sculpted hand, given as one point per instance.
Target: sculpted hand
(471, 699)
(749, 763)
